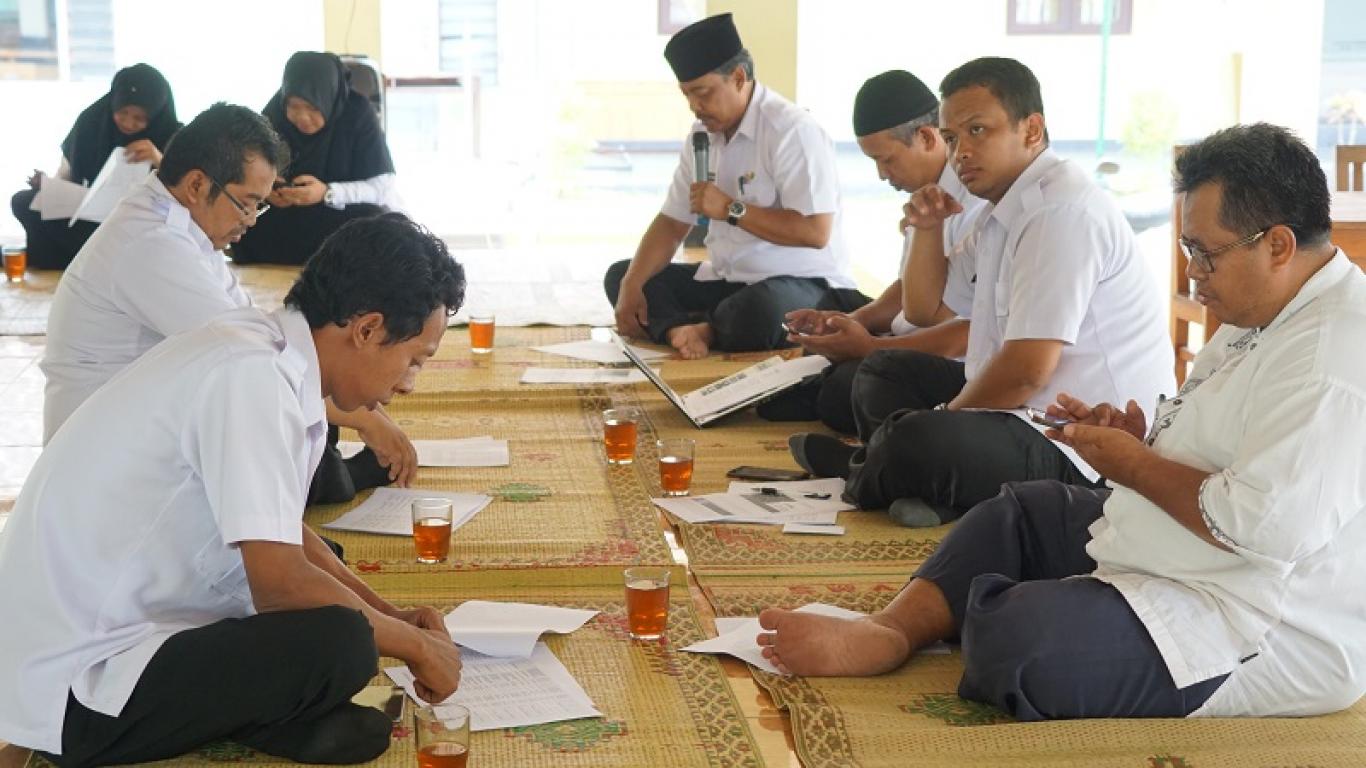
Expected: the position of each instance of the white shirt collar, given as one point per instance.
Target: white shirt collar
(301, 354)
(750, 121)
(177, 215)
(1024, 194)
(1327, 276)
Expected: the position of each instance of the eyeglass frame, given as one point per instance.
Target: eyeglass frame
(260, 208)
(1204, 259)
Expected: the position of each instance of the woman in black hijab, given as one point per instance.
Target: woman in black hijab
(340, 167)
(137, 114)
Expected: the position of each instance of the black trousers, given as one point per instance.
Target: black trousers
(280, 683)
(337, 480)
(1036, 643)
(952, 460)
(743, 317)
(291, 235)
(835, 401)
(50, 244)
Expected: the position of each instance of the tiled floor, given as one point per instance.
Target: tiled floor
(21, 414)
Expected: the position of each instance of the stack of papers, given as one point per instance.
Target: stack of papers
(389, 511)
(765, 507)
(604, 352)
(737, 637)
(823, 493)
(61, 199)
(509, 629)
(482, 451)
(507, 693)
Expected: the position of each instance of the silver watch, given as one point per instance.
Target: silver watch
(328, 197)
(735, 212)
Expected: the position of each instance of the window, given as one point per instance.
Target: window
(469, 39)
(28, 39)
(1068, 17)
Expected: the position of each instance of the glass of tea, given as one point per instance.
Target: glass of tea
(432, 529)
(16, 261)
(443, 736)
(481, 333)
(647, 601)
(619, 435)
(675, 465)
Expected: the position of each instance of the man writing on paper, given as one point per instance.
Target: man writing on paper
(162, 591)
(154, 268)
(896, 120)
(773, 240)
(1062, 302)
(1220, 578)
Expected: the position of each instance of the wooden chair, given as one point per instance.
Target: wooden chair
(1351, 158)
(1185, 310)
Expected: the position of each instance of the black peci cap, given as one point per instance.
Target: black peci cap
(702, 47)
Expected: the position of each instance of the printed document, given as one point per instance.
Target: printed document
(604, 352)
(483, 451)
(510, 629)
(390, 511)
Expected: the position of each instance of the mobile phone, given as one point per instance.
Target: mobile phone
(768, 474)
(1041, 417)
(793, 329)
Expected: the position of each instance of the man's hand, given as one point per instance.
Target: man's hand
(633, 313)
(392, 447)
(142, 150)
(811, 322)
(1131, 419)
(36, 180)
(436, 667)
(307, 190)
(929, 207)
(1111, 451)
(845, 339)
(422, 617)
(707, 199)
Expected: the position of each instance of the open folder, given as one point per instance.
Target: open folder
(736, 391)
(58, 198)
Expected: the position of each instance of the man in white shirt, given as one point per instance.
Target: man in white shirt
(155, 268)
(1062, 302)
(160, 586)
(772, 196)
(896, 120)
(1221, 577)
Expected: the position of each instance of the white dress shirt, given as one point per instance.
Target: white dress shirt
(779, 157)
(1056, 259)
(958, 282)
(1276, 416)
(148, 272)
(125, 532)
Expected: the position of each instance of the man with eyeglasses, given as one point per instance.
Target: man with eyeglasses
(1222, 576)
(155, 268)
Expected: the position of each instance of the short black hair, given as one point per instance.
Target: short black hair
(387, 264)
(219, 142)
(1012, 83)
(1268, 177)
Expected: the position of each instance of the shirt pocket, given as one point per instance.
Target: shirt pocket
(757, 188)
(222, 570)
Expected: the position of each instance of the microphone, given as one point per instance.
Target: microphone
(701, 151)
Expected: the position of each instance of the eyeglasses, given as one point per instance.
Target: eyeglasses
(259, 211)
(1205, 259)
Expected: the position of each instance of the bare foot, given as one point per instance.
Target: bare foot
(812, 645)
(692, 341)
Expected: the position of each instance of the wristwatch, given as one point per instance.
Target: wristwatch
(328, 197)
(735, 212)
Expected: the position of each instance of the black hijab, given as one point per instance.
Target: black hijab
(95, 134)
(350, 146)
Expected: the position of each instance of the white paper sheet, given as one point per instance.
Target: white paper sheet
(509, 629)
(116, 178)
(764, 509)
(737, 637)
(57, 198)
(820, 530)
(481, 451)
(581, 376)
(822, 486)
(604, 352)
(389, 511)
(771, 375)
(507, 693)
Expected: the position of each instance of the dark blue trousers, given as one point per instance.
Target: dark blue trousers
(1041, 640)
